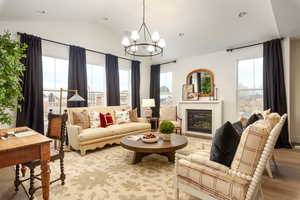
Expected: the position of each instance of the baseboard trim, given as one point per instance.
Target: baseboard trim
(198, 136)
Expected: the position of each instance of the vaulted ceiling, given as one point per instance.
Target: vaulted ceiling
(208, 25)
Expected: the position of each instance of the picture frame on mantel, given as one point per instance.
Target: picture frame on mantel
(186, 90)
(193, 96)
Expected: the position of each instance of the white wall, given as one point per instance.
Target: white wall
(224, 66)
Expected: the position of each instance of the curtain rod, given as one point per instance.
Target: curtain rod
(246, 46)
(65, 44)
(173, 61)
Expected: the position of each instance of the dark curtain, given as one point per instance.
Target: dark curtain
(32, 111)
(155, 88)
(77, 79)
(274, 86)
(112, 80)
(135, 86)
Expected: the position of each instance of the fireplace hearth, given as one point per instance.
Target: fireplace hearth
(199, 120)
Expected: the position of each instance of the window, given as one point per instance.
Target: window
(96, 85)
(250, 86)
(55, 76)
(125, 85)
(166, 88)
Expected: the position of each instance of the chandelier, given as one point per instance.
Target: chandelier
(148, 46)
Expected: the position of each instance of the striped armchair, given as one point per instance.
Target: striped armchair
(208, 180)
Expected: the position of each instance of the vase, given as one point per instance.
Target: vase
(166, 137)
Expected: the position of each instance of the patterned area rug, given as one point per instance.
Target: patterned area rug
(107, 174)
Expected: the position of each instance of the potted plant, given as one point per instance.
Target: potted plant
(166, 128)
(11, 72)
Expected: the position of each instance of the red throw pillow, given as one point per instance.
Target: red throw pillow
(102, 120)
(105, 120)
(109, 119)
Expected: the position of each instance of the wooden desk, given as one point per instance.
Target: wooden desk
(15, 151)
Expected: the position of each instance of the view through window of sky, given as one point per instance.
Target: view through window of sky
(250, 86)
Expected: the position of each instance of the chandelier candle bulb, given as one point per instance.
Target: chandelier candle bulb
(125, 42)
(135, 35)
(162, 43)
(155, 36)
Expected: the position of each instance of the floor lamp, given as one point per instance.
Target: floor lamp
(75, 98)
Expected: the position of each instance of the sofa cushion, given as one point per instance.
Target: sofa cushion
(128, 127)
(224, 145)
(238, 126)
(116, 129)
(253, 118)
(133, 114)
(102, 109)
(94, 133)
(82, 119)
(250, 147)
(122, 116)
(94, 119)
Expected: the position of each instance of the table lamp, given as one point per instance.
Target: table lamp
(147, 104)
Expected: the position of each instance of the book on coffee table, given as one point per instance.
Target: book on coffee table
(134, 137)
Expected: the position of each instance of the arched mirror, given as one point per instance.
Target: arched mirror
(203, 81)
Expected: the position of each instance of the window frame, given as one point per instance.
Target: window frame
(126, 68)
(53, 90)
(237, 89)
(104, 85)
(171, 89)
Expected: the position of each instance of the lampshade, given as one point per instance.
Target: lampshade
(148, 103)
(76, 97)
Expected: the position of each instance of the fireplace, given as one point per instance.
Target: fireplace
(199, 120)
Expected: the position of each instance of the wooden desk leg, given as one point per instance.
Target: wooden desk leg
(45, 157)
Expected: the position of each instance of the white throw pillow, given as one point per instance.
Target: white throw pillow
(94, 119)
(122, 116)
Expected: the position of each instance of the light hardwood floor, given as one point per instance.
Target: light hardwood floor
(284, 186)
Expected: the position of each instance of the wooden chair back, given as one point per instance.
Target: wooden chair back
(57, 126)
(168, 113)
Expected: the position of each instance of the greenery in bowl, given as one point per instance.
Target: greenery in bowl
(166, 127)
(11, 72)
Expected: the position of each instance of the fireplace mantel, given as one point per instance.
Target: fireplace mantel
(214, 106)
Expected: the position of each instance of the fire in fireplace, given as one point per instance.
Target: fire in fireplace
(199, 120)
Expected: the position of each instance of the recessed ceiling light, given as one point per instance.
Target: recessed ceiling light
(242, 14)
(42, 12)
(180, 34)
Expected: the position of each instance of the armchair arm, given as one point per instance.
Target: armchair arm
(208, 163)
(143, 120)
(178, 118)
(73, 133)
(222, 174)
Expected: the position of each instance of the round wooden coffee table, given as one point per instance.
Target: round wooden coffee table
(165, 148)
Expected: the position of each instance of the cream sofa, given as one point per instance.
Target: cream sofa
(91, 138)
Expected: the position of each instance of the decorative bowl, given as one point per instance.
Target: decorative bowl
(150, 138)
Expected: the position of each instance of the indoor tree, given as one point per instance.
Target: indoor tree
(11, 72)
